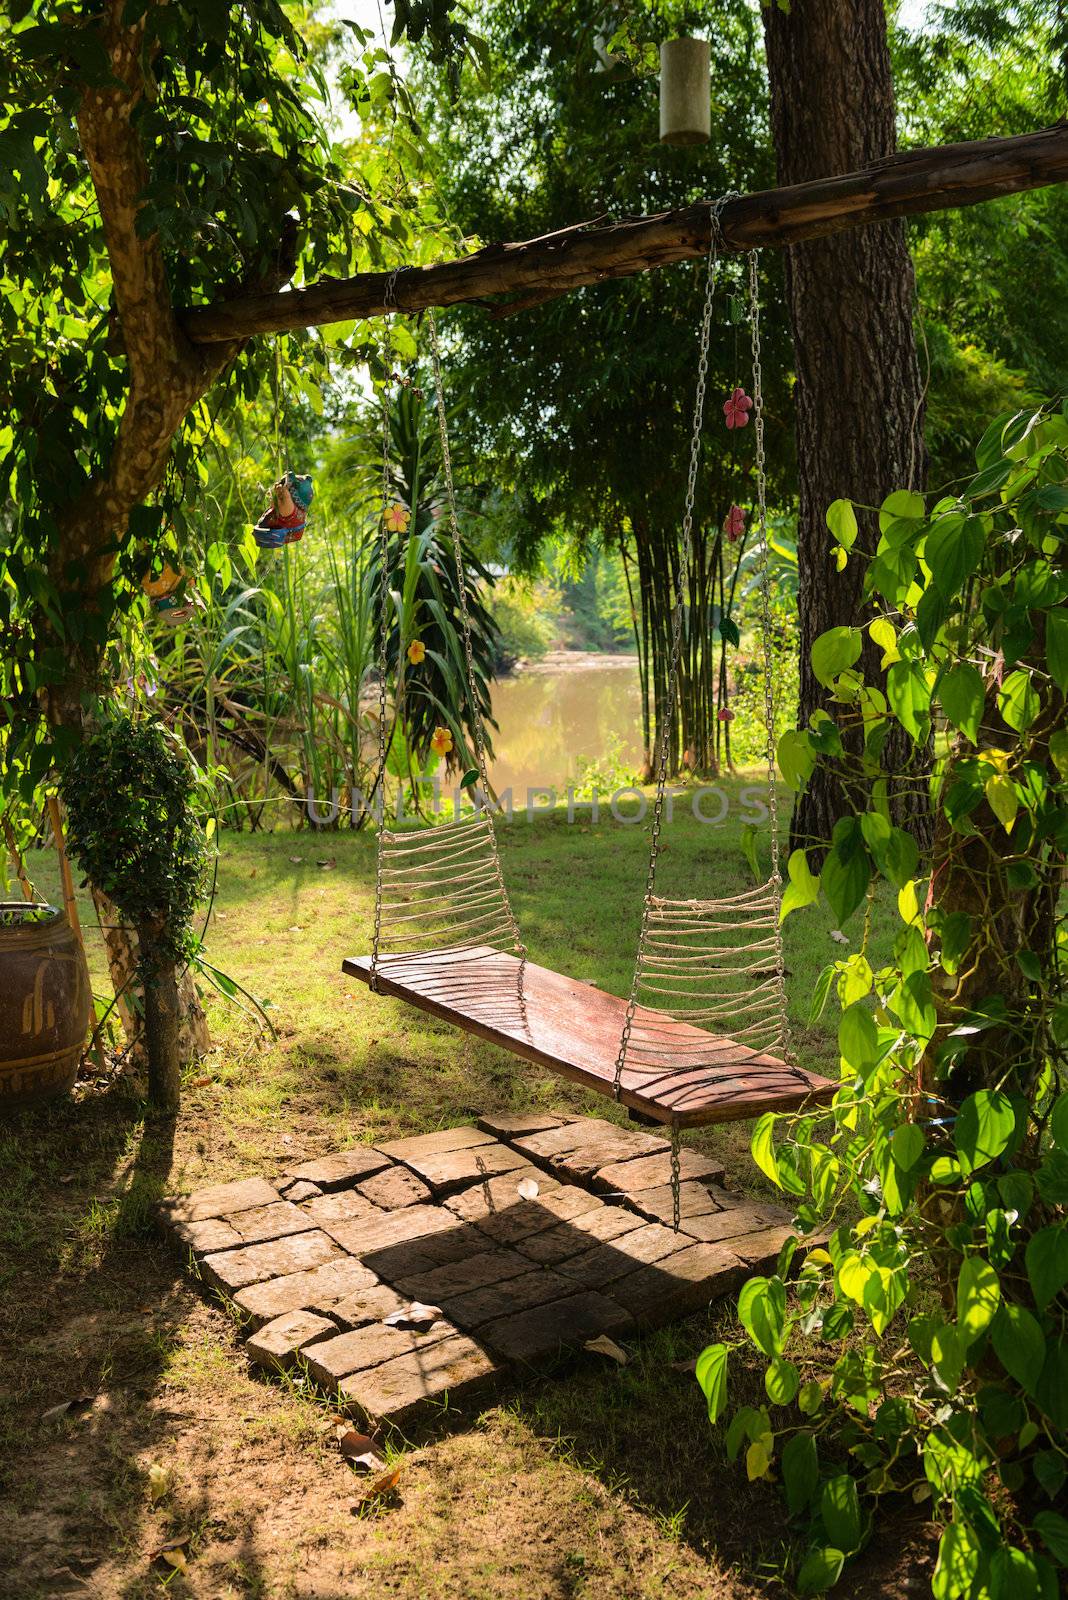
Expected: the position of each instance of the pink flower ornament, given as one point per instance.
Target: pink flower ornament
(736, 409)
(725, 714)
(734, 524)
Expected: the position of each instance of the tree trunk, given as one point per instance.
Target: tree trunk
(859, 398)
(161, 1025)
(121, 944)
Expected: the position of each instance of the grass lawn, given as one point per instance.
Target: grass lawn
(603, 1482)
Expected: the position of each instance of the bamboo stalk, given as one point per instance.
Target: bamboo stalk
(17, 862)
(70, 905)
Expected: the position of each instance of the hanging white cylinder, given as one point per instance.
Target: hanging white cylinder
(685, 92)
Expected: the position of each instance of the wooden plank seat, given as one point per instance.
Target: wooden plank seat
(574, 1030)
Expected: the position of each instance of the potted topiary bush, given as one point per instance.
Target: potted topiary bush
(133, 830)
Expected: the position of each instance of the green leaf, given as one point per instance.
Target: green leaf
(858, 1039)
(833, 652)
(803, 888)
(984, 1127)
(781, 1381)
(840, 1510)
(762, 1312)
(978, 1295)
(903, 504)
(842, 521)
(796, 758)
(846, 869)
(1058, 1122)
(1054, 1530)
(1057, 647)
(1018, 701)
(909, 696)
(907, 1145)
(800, 1471)
(949, 1351)
(820, 992)
(958, 1563)
(1047, 1263)
(763, 1148)
(953, 551)
(1013, 1575)
(711, 1373)
(963, 697)
(469, 779)
(1050, 1470)
(1002, 799)
(820, 1570)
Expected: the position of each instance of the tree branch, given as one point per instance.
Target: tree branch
(908, 184)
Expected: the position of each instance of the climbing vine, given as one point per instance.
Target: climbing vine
(921, 1350)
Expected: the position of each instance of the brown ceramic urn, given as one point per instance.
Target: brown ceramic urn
(44, 1003)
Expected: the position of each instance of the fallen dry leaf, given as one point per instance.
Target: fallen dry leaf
(327, 863)
(68, 1177)
(416, 1315)
(202, 1083)
(68, 1408)
(159, 1481)
(359, 1450)
(296, 859)
(380, 1487)
(527, 1188)
(684, 1366)
(838, 936)
(604, 1346)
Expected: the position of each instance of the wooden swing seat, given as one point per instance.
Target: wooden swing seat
(574, 1030)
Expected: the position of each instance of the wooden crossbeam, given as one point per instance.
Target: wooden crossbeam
(939, 179)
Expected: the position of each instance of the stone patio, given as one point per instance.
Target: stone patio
(317, 1261)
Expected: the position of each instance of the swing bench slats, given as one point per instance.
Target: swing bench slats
(573, 1029)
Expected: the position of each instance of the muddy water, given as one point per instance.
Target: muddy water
(560, 709)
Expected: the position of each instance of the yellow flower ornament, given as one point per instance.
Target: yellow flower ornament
(416, 652)
(397, 517)
(441, 742)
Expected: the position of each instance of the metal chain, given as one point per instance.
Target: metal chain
(390, 297)
(676, 1178)
(767, 631)
(469, 655)
(668, 704)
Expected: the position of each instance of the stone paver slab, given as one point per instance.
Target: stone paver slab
(529, 1217)
(270, 1222)
(603, 1263)
(651, 1172)
(298, 1189)
(499, 1195)
(372, 1304)
(440, 1285)
(734, 1222)
(760, 1250)
(341, 1205)
(454, 1369)
(545, 1331)
(569, 1238)
(581, 1148)
(277, 1344)
(449, 1170)
(535, 1288)
(363, 1236)
(219, 1200)
(511, 1124)
(684, 1283)
(695, 1200)
(342, 1169)
(313, 1290)
(394, 1187)
(427, 1144)
(205, 1237)
(237, 1269)
(346, 1353)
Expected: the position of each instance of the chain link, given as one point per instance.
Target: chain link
(676, 1178)
(469, 655)
(767, 631)
(671, 697)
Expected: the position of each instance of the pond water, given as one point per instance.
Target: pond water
(558, 710)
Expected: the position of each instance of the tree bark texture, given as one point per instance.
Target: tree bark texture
(161, 1025)
(859, 395)
(123, 953)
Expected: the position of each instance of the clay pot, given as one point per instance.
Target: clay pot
(44, 1003)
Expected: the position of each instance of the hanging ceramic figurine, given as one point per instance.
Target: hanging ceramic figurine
(286, 517)
(163, 591)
